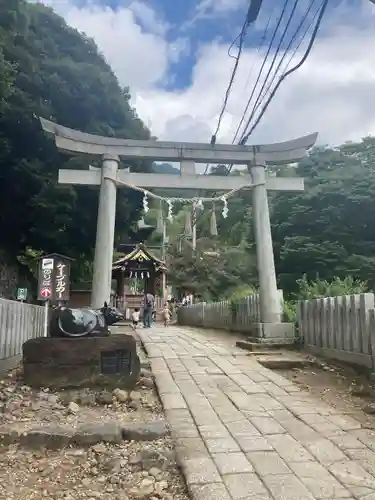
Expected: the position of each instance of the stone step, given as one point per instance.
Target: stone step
(284, 362)
(264, 346)
(85, 434)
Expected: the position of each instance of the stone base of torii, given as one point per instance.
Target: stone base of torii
(256, 158)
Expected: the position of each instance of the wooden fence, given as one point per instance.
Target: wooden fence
(341, 328)
(18, 323)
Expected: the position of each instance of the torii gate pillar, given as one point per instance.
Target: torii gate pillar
(270, 326)
(105, 232)
(270, 304)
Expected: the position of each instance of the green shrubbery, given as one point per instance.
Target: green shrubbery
(321, 288)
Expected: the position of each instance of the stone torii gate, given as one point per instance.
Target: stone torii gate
(110, 176)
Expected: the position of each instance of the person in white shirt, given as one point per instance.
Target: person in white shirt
(135, 317)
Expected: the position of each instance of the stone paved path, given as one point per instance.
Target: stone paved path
(244, 432)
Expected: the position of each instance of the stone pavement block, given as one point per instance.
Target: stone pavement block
(298, 399)
(232, 463)
(182, 377)
(299, 430)
(267, 402)
(325, 451)
(287, 487)
(366, 436)
(200, 471)
(364, 457)
(291, 389)
(354, 477)
(319, 481)
(267, 425)
(190, 448)
(213, 491)
(221, 445)
(176, 366)
(184, 431)
(260, 412)
(159, 365)
(181, 415)
(239, 398)
(173, 402)
(321, 424)
(253, 443)
(302, 408)
(344, 422)
(347, 441)
(289, 449)
(268, 462)
(246, 487)
(244, 428)
(228, 417)
(198, 400)
(182, 424)
(187, 387)
(213, 431)
(240, 378)
(277, 379)
(213, 371)
(254, 375)
(273, 389)
(205, 417)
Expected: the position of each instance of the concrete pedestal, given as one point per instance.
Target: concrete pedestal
(62, 363)
(275, 333)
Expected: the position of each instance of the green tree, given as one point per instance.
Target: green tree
(52, 70)
(328, 230)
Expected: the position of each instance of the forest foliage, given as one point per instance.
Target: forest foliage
(49, 69)
(324, 235)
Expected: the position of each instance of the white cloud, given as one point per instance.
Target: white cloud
(138, 57)
(148, 18)
(332, 93)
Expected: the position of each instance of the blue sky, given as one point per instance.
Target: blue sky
(173, 55)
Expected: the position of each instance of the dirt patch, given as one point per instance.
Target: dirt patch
(339, 385)
(126, 471)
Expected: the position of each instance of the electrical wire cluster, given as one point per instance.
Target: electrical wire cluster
(279, 43)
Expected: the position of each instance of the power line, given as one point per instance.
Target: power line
(274, 56)
(268, 51)
(292, 70)
(261, 97)
(241, 39)
(321, 12)
(251, 16)
(262, 40)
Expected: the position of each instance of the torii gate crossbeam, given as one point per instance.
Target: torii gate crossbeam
(109, 177)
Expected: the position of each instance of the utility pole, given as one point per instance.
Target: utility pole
(163, 257)
(194, 227)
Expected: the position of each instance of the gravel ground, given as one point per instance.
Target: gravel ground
(131, 470)
(340, 385)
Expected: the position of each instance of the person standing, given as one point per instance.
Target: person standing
(148, 308)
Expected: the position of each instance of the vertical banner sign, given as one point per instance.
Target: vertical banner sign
(45, 281)
(61, 279)
(54, 276)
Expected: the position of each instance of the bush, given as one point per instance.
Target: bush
(290, 312)
(334, 288)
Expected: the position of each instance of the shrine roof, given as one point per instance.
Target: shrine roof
(140, 253)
